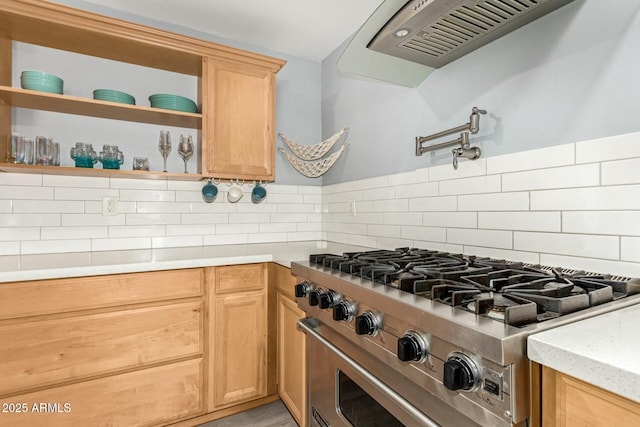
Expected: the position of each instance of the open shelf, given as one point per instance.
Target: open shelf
(116, 173)
(94, 108)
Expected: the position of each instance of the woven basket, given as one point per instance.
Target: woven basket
(313, 152)
(313, 169)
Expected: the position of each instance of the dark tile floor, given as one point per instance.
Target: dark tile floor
(272, 415)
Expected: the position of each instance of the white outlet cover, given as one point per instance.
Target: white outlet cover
(109, 206)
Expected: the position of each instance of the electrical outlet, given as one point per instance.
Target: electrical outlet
(352, 207)
(109, 206)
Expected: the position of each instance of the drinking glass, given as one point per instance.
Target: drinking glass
(185, 149)
(28, 151)
(13, 152)
(44, 150)
(140, 164)
(164, 145)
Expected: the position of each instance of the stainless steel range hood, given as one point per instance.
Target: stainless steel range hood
(432, 33)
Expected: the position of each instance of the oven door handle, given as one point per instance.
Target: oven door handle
(306, 326)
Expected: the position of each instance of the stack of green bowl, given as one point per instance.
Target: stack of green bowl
(173, 102)
(43, 82)
(113, 96)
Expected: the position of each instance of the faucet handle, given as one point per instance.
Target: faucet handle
(476, 110)
(456, 152)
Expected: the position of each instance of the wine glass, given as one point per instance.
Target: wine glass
(185, 149)
(164, 145)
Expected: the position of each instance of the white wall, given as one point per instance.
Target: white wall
(570, 76)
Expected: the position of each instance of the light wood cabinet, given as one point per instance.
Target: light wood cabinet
(241, 126)
(568, 402)
(237, 334)
(118, 350)
(291, 345)
(236, 88)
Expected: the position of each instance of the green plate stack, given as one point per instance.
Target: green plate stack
(173, 102)
(41, 81)
(113, 96)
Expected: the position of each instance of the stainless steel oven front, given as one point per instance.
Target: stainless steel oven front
(348, 387)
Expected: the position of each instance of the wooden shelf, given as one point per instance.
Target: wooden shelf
(102, 109)
(115, 173)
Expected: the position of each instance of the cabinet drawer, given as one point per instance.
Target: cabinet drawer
(234, 278)
(52, 296)
(150, 396)
(40, 353)
(283, 279)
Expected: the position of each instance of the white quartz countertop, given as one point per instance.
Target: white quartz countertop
(14, 268)
(602, 351)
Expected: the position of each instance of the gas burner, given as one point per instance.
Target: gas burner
(506, 308)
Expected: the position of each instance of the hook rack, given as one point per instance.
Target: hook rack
(465, 149)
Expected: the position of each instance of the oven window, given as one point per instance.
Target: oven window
(360, 409)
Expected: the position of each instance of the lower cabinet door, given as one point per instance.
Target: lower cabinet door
(151, 396)
(291, 358)
(239, 348)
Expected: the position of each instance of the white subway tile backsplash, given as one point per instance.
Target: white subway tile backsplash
(151, 218)
(247, 218)
(529, 257)
(466, 168)
(95, 207)
(624, 223)
(10, 248)
(62, 233)
(121, 243)
(591, 198)
(488, 238)
(379, 193)
(432, 234)
(176, 241)
(403, 218)
(306, 189)
(188, 230)
(75, 181)
(30, 179)
(383, 230)
(630, 249)
(621, 172)
(6, 206)
(237, 228)
(54, 246)
(267, 237)
(201, 207)
(295, 208)
(342, 197)
(616, 147)
(82, 220)
(49, 206)
(434, 204)
(301, 236)
(83, 193)
(394, 205)
(287, 189)
(9, 234)
(542, 179)
(280, 227)
(29, 220)
(163, 207)
(204, 218)
(225, 239)
(450, 219)
(475, 185)
(148, 195)
(518, 201)
(312, 198)
(116, 231)
(282, 198)
(605, 247)
(18, 192)
(420, 189)
(548, 157)
(520, 221)
(310, 226)
(139, 184)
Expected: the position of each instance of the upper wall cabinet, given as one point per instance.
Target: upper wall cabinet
(236, 89)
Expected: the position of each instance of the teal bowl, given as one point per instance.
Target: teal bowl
(113, 96)
(40, 81)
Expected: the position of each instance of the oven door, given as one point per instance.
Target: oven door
(344, 393)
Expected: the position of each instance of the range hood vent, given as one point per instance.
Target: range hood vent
(436, 32)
